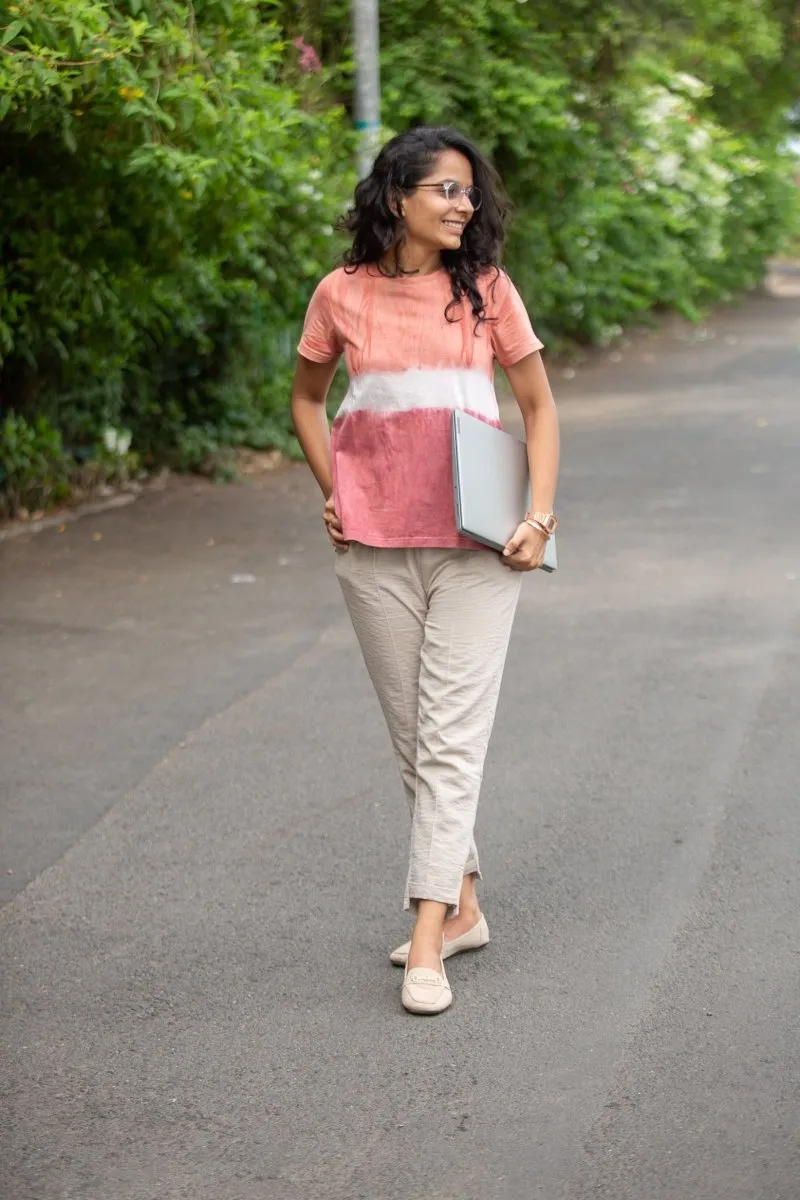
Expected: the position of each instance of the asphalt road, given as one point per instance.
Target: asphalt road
(204, 840)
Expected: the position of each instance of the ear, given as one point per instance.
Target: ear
(396, 204)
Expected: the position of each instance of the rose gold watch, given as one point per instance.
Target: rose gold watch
(548, 522)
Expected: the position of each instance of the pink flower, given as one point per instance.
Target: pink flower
(309, 59)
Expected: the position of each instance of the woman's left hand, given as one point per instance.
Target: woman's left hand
(525, 550)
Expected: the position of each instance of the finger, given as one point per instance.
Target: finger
(511, 547)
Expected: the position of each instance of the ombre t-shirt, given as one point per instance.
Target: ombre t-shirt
(409, 368)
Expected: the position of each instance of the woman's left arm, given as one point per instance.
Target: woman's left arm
(529, 383)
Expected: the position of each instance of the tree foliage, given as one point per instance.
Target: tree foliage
(162, 217)
(170, 174)
(643, 160)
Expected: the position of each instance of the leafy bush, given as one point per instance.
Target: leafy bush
(636, 185)
(671, 210)
(162, 219)
(32, 471)
(171, 173)
(36, 471)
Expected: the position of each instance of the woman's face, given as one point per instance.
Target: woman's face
(432, 220)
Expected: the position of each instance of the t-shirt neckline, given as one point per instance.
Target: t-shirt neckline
(438, 274)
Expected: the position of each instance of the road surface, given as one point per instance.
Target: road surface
(204, 840)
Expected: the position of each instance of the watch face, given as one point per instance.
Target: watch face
(546, 519)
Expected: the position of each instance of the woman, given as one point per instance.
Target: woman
(421, 312)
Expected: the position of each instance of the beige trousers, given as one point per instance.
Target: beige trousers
(434, 626)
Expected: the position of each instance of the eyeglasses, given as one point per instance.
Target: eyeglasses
(451, 191)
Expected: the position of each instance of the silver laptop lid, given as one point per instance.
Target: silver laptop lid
(491, 483)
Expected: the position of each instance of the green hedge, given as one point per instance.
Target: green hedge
(165, 208)
(171, 175)
(635, 184)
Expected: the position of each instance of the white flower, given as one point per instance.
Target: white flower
(117, 441)
(315, 174)
(305, 189)
(718, 174)
(663, 105)
(667, 167)
(717, 200)
(699, 139)
(690, 84)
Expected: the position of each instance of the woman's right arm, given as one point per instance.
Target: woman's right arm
(312, 382)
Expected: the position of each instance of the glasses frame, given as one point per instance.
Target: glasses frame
(446, 191)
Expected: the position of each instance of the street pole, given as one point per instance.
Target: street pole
(368, 86)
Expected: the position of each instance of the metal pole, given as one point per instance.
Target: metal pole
(368, 87)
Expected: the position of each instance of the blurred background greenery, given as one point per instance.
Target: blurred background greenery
(170, 176)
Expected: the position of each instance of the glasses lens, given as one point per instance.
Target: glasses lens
(452, 191)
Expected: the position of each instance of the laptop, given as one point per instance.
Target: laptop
(491, 484)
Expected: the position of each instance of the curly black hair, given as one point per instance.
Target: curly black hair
(401, 164)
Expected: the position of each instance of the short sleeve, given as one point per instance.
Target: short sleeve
(512, 334)
(320, 342)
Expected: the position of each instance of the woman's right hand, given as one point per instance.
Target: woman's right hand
(334, 527)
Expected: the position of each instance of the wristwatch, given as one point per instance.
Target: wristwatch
(547, 522)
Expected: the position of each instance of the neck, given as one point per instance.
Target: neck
(411, 259)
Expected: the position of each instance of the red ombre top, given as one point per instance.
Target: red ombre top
(409, 368)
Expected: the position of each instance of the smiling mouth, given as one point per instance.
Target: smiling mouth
(456, 226)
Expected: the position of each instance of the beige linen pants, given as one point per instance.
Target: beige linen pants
(434, 626)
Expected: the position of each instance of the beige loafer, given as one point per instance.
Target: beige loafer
(473, 939)
(426, 991)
